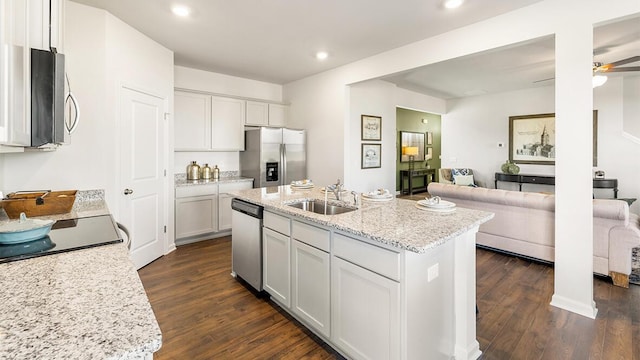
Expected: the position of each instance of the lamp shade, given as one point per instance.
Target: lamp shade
(410, 150)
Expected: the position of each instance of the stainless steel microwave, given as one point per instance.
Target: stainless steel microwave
(47, 98)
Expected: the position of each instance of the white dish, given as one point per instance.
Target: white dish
(449, 210)
(305, 182)
(378, 194)
(443, 204)
(378, 199)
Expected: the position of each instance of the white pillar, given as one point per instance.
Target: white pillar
(574, 208)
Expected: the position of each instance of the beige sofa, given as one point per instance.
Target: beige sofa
(524, 224)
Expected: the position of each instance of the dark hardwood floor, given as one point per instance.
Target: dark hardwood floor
(204, 313)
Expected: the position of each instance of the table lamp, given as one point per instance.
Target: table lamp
(410, 151)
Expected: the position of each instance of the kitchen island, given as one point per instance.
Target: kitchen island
(83, 304)
(386, 281)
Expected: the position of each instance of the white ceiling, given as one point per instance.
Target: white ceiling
(276, 40)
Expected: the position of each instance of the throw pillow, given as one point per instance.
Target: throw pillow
(463, 180)
(461, 171)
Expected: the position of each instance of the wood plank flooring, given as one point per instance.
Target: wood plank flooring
(204, 313)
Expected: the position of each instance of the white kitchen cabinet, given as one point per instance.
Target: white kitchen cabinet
(257, 113)
(278, 114)
(365, 312)
(310, 288)
(192, 121)
(227, 124)
(224, 202)
(24, 24)
(196, 210)
(15, 111)
(276, 260)
(266, 114)
(208, 123)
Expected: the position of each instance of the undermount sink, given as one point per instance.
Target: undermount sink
(318, 207)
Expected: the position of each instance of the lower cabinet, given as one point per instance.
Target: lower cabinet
(224, 202)
(196, 215)
(366, 312)
(276, 271)
(311, 286)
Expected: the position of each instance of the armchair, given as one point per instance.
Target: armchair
(464, 176)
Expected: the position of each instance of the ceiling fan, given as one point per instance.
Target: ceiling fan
(615, 66)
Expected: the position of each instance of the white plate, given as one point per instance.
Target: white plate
(378, 199)
(443, 204)
(449, 210)
(377, 195)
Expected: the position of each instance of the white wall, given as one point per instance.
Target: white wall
(631, 109)
(371, 98)
(473, 126)
(194, 79)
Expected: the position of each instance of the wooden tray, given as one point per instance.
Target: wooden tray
(38, 203)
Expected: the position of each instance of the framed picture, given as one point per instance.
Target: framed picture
(371, 127)
(429, 138)
(429, 154)
(371, 156)
(411, 140)
(532, 139)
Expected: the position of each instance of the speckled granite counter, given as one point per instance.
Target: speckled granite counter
(181, 180)
(84, 304)
(397, 222)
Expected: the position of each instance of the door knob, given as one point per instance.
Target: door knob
(128, 191)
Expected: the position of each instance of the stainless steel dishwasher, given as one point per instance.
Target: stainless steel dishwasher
(246, 242)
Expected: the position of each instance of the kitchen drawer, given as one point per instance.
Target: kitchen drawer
(311, 235)
(233, 186)
(277, 222)
(196, 190)
(382, 261)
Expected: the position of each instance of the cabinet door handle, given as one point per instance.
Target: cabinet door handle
(128, 191)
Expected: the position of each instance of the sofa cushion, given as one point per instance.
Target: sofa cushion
(446, 174)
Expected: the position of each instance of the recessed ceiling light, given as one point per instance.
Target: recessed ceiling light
(452, 4)
(181, 10)
(321, 55)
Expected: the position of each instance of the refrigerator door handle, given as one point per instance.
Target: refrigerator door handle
(283, 152)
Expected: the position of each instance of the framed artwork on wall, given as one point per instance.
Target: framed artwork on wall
(429, 138)
(371, 128)
(532, 139)
(371, 156)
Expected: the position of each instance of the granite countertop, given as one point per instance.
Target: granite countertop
(182, 181)
(83, 304)
(397, 222)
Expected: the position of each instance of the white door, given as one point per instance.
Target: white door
(142, 159)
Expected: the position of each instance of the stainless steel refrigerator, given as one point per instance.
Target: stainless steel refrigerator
(274, 156)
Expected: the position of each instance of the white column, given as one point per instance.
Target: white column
(574, 208)
(466, 345)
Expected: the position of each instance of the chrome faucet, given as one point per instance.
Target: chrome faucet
(337, 189)
(356, 201)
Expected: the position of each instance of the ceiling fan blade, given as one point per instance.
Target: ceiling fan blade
(624, 61)
(537, 81)
(623, 69)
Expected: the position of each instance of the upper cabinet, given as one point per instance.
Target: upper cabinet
(266, 114)
(24, 24)
(208, 123)
(278, 114)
